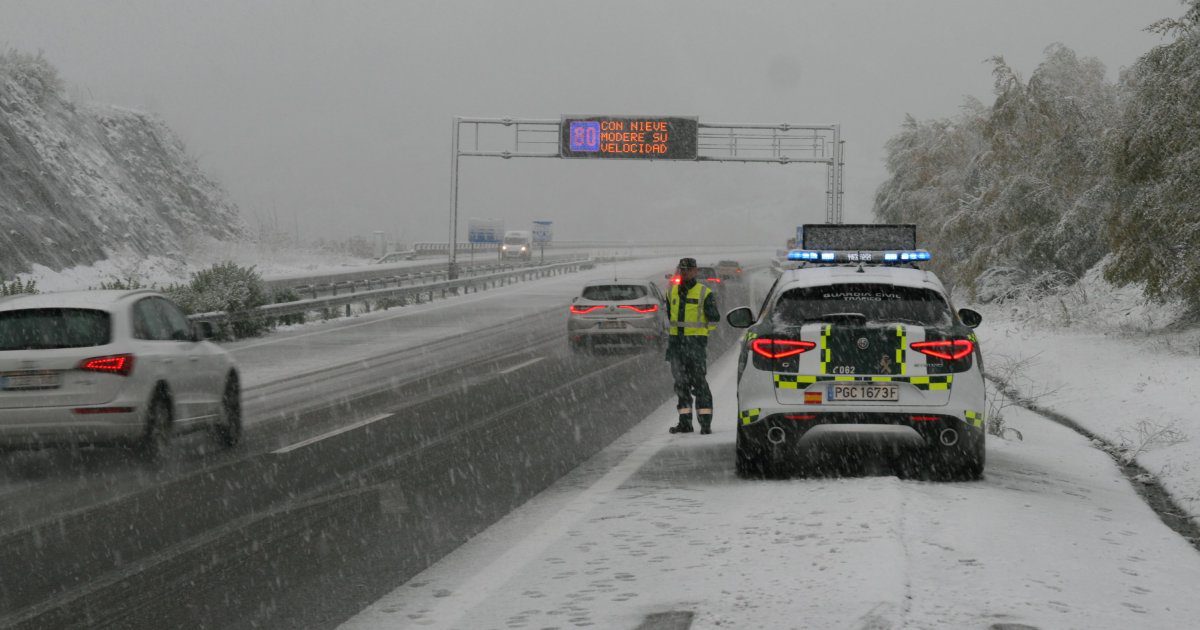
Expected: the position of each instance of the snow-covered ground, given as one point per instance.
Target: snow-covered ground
(1054, 537)
(161, 271)
(1104, 357)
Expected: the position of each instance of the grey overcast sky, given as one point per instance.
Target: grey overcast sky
(335, 116)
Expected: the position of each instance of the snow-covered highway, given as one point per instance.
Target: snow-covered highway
(1054, 537)
(378, 445)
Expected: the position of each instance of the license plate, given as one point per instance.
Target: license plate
(612, 324)
(863, 392)
(29, 380)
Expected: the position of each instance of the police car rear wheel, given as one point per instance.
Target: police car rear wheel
(751, 462)
(964, 463)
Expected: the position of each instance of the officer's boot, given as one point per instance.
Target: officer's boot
(705, 421)
(685, 422)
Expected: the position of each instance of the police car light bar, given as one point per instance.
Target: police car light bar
(899, 257)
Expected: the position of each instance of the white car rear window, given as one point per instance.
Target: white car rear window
(49, 328)
(614, 292)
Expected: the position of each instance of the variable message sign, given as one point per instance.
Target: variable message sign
(629, 137)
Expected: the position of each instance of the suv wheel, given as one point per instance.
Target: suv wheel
(228, 430)
(157, 431)
(750, 462)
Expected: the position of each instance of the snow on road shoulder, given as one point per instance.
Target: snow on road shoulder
(1119, 387)
(1053, 537)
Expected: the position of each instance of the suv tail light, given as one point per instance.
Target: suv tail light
(120, 364)
(580, 310)
(717, 280)
(640, 309)
(676, 279)
(945, 349)
(780, 348)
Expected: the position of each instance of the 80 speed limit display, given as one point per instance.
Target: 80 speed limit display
(629, 137)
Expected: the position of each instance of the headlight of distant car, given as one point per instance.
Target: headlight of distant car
(522, 248)
(504, 248)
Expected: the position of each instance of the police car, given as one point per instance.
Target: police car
(860, 349)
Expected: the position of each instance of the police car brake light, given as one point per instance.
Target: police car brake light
(580, 310)
(640, 309)
(780, 348)
(945, 349)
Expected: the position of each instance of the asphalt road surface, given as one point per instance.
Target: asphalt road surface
(423, 425)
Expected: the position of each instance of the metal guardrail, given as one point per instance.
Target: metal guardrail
(368, 279)
(403, 294)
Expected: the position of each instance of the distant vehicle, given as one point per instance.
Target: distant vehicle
(860, 348)
(707, 275)
(110, 368)
(729, 270)
(517, 244)
(619, 313)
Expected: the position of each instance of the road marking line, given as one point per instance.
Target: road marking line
(521, 365)
(318, 438)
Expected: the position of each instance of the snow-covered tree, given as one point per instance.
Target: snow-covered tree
(1155, 235)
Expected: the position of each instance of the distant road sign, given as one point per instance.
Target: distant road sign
(543, 231)
(485, 230)
(630, 137)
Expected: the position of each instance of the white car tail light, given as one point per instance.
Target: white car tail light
(120, 364)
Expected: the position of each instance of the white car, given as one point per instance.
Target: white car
(110, 368)
(617, 313)
(862, 354)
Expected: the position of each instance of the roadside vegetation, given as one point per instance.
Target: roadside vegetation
(1061, 173)
(17, 287)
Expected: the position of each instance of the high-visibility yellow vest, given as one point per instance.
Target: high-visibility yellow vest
(694, 322)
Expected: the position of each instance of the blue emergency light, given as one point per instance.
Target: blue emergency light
(801, 254)
(901, 257)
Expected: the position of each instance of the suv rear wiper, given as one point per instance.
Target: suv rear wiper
(838, 318)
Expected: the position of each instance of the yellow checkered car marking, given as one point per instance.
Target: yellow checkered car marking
(748, 416)
(974, 418)
(826, 353)
(795, 381)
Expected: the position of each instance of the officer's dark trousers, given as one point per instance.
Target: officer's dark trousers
(689, 367)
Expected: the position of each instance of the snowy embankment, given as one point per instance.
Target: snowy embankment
(162, 271)
(83, 182)
(1106, 359)
(659, 527)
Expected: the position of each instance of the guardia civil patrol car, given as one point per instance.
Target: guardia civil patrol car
(860, 352)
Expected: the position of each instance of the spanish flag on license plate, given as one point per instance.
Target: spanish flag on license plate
(812, 398)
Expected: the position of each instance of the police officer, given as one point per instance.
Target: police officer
(692, 311)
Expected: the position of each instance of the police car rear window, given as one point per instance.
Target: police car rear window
(614, 292)
(879, 303)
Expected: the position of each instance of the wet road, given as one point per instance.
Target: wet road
(444, 437)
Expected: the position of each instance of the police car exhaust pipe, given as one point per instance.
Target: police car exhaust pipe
(775, 435)
(949, 437)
